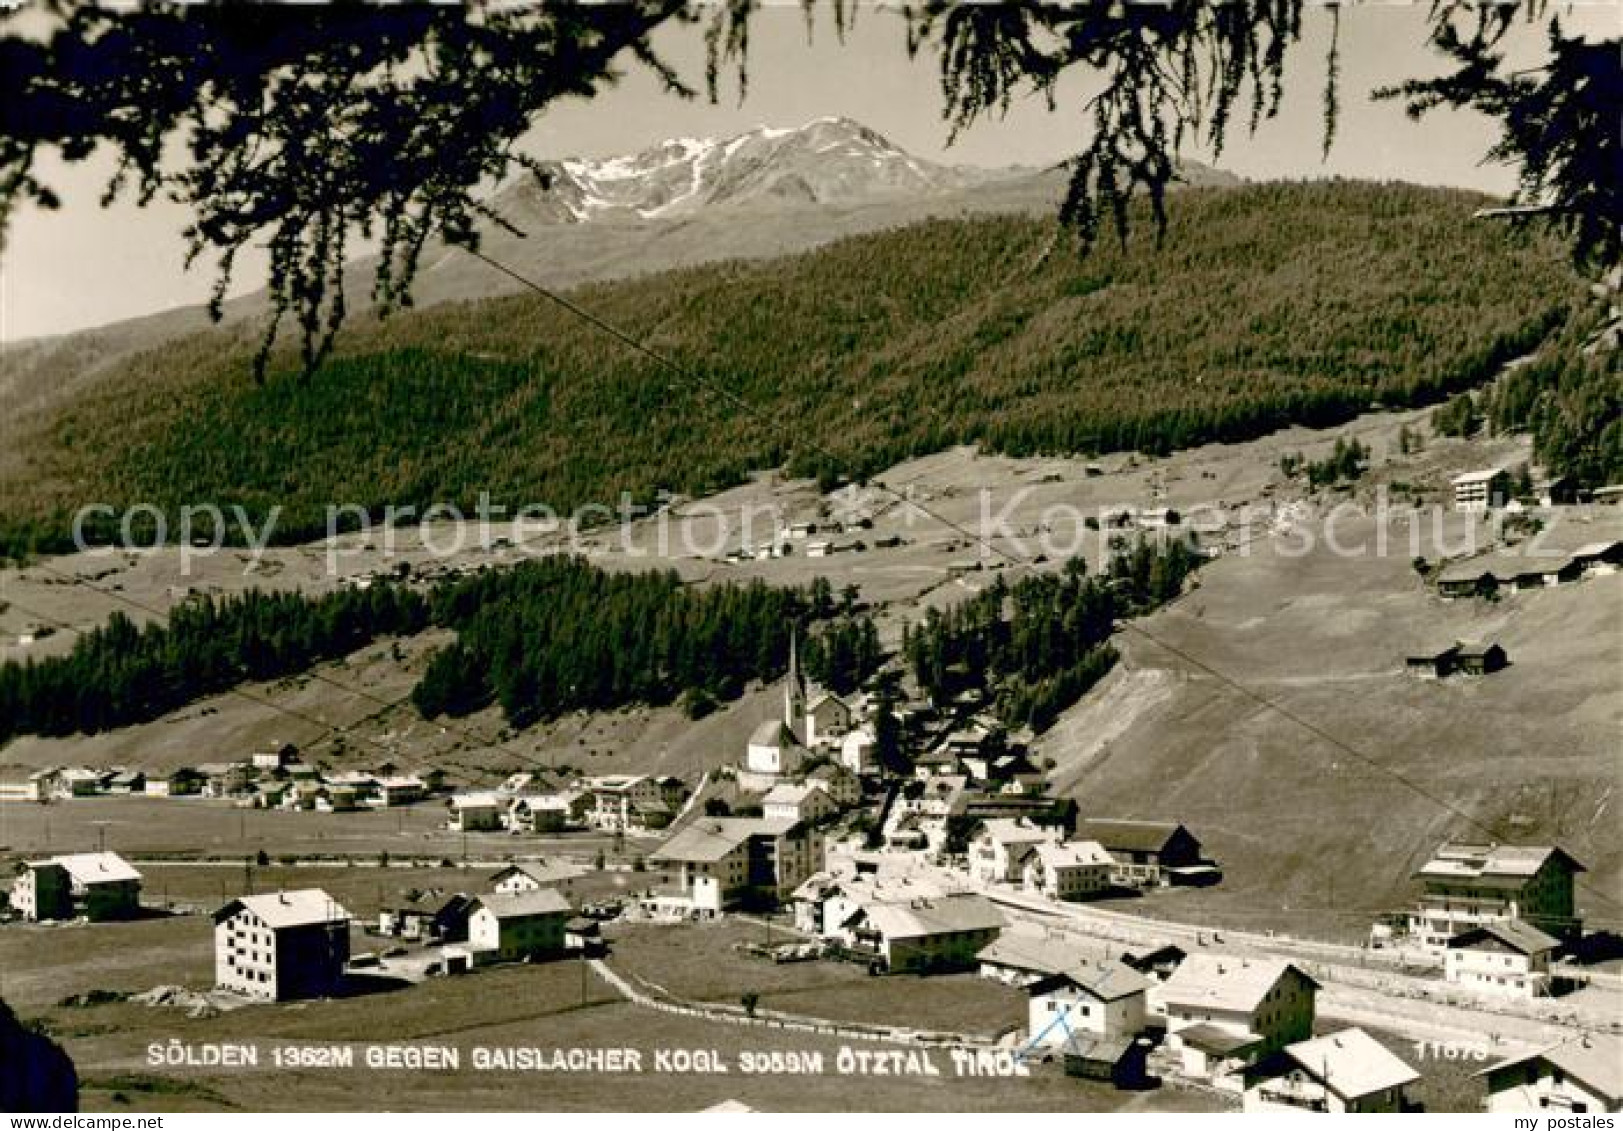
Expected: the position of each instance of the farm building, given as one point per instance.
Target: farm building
(1471, 885)
(1147, 853)
(281, 946)
(1343, 1072)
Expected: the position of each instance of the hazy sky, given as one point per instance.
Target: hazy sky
(85, 265)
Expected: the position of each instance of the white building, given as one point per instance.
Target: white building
(1480, 490)
(1344, 1072)
(95, 885)
(788, 802)
(1224, 1011)
(859, 751)
(1103, 1000)
(1070, 871)
(998, 851)
(1471, 885)
(511, 928)
(1580, 1076)
(1503, 959)
(528, 875)
(476, 812)
(281, 946)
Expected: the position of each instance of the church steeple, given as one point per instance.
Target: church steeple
(794, 689)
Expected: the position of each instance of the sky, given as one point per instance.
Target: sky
(86, 265)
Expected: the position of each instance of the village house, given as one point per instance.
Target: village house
(1017, 959)
(840, 783)
(528, 875)
(925, 935)
(81, 781)
(1344, 1072)
(281, 946)
(828, 719)
(447, 923)
(225, 779)
(1599, 559)
(1469, 658)
(1148, 853)
(827, 905)
(859, 751)
(272, 760)
(1227, 1011)
(514, 928)
(1103, 999)
(97, 886)
(788, 802)
(998, 850)
(1480, 490)
(395, 791)
(1501, 959)
(550, 812)
(476, 812)
(1470, 885)
(183, 782)
(1580, 1076)
(724, 861)
(127, 782)
(634, 803)
(1069, 871)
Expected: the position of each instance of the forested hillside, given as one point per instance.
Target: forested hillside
(1266, 305)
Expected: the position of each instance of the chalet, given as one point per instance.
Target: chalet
(97, 886)
(1020, 960)
(998, 851)
(514, 928)
(1226, 1011)
(1070, 871)
(177, 783)
(1147, 853)
(550, 812)
(1159, 964)
(859, 751)
(797, 803)
(404, 790)
(446, 923)
(925, 935)
(935, 762)
(1481, 490)
(1471, 885)
(1103, 999)
(79, 781)
(1120, 1060)
(838, 782)
(722, 861)
(584, 936)
(1344, 1072)
(1580, 1076)
(1481, 658)
(1597, 559)
(476, 812)
(1473, 578)
(225, 779)
(127, 782)
(626, 803)
(1502, 959)
(1557, 491)
(281, 946)
(828, 719)
(280, 758)
(528, 875)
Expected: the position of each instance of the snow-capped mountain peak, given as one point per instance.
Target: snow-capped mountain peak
(825, 161)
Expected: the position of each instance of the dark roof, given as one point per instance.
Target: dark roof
(1130, 836)
(1107, 1050)
(1524, 938)
(1215, 1039)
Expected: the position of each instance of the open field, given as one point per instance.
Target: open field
(550, 1006)
(699, 963)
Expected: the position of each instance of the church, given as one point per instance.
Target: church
(812, 720)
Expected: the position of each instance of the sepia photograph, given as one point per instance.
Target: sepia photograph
(776, 556)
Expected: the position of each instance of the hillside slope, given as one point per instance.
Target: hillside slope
(1323, 833)
(1267, 305)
